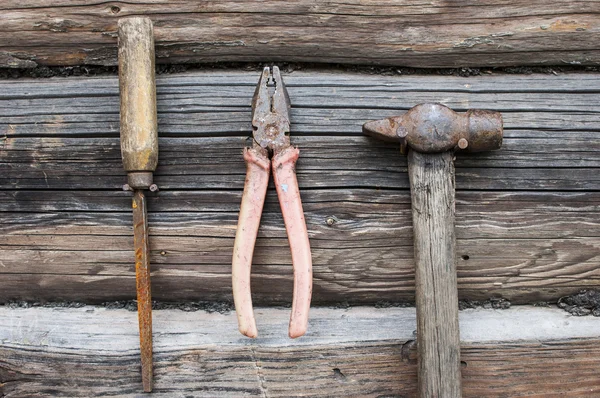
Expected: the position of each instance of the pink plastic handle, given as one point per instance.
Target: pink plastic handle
(284, 175)
(253, 199)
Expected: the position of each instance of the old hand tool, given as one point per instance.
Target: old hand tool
(139, 149)
(271, 123)
(431, 132)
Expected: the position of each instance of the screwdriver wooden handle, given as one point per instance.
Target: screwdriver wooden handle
(139, 130)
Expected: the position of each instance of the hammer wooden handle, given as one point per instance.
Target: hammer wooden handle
(432, 190)
(139, 131)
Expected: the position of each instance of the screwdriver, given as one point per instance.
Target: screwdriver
(139, 150)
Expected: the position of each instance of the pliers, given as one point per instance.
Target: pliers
(271, 149)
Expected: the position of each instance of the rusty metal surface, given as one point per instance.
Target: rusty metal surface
(140, 179)
(142, 273)
(431, 128)
(270, 113)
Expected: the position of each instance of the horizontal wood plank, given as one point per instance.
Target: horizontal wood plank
(217, 103)
(433, 34)
(360, 351)
(216, 163)
(522, 246)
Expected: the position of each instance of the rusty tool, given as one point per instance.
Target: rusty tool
(139, 149)
(271, 125)
(430, 133)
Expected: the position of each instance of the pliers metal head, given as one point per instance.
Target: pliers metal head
(271, 113)
(271, 125)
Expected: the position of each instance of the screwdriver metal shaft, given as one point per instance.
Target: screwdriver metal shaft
(142, 277)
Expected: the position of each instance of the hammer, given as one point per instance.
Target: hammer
(139, 150)
(430, 133)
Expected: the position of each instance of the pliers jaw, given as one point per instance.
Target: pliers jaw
(270, 113)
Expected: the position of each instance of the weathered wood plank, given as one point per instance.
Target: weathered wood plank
(352, 352)
(218, 121)
(93, 277)
(380, 97)
(216, 163)
(219, 102)
(435, 34)
(525, 246)
(436, 294)
(198, 80)
(534, 203)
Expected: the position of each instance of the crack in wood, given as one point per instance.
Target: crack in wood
(259, 375)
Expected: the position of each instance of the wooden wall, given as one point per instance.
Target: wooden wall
(528, 219)
(528, 215)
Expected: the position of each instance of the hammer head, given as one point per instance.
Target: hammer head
(430, 128)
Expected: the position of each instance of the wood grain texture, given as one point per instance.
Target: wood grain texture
(137, 87)
(436, 295)
(528, 215)
(358, 352)
(433, 34)
(517, 245)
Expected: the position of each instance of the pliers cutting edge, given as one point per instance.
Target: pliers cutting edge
(271, 123)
